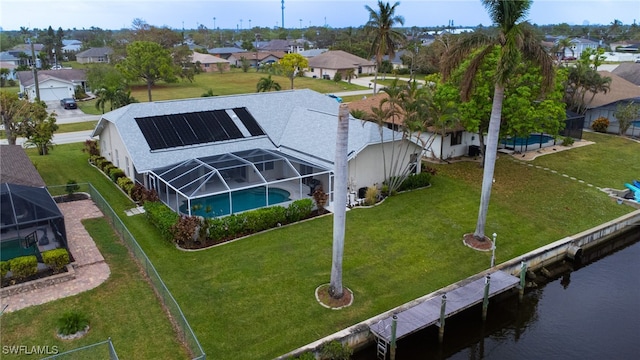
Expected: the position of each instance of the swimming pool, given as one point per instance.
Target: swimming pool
(531, 140)
(10, 249)
(242, 200)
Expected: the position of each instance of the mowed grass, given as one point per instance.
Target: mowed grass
(123, 308)
(254, 298)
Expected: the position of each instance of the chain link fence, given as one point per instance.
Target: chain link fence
(101, 350)
(185, 333)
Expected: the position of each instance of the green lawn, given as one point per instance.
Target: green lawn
(254, 298)
(123, 308)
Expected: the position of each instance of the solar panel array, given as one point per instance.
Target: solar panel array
(175, 130)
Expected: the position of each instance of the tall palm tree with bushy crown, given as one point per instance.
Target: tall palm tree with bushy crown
(516, 41)
(385, 38)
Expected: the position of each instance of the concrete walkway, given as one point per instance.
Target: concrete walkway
(90, 267)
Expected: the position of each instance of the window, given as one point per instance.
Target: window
(126, 169)
(265, 166)
(117, 159)
(456, 138)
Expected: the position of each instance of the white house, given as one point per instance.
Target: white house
(283, 141)
(53, 84)
(210, 63)
(327, 64)
(604, 105)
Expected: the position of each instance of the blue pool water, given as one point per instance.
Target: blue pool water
(242, 200)
(10, 249)
(531, 140)
(635, 123)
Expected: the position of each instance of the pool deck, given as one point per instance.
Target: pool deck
(532, 154)
(90, 266)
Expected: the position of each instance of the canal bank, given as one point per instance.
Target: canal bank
(360, 335)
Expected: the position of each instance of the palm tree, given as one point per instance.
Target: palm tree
(515, 40)
(385, 40)
(339, 215)
(565, 43)
(267, 84)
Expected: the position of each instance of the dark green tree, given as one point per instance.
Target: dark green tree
(149, 62)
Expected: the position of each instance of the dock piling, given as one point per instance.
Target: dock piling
(523, 278)
(485, 300)
(394, 327)
(443, 308)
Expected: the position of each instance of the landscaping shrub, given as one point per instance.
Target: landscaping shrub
(72, 322)
(107, 166)
(91, 147)
(98, 161)
(161, 217)
(71, 188)
(600, 124)
(264, 218)
(24, 266)
(567, 141)
(415, 181)
(371, 196)
(298, 210)
(335, 350)
(125, 184)
(56, 259)
(116, 173)
(184, 229)
(4, 269)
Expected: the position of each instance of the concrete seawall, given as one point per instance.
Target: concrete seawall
(358, 335)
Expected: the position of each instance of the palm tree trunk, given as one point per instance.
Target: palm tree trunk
(340, 198)
(490, 159)
(375, 82)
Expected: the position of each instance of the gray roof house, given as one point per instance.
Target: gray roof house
(54, 84)
(94, 55)
(279, 145)
(327, 64)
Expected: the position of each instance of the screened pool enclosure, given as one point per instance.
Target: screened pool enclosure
(235, 182)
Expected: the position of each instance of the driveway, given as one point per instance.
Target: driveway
(67, 116)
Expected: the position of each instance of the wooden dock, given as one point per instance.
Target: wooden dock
(427, 313)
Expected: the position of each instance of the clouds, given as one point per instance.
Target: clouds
(116, 14)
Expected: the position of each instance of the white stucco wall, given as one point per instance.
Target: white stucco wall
(110, 141)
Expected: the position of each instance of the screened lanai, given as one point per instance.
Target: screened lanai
(235, 182)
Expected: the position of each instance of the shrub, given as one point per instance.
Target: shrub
(567, 141)
(298, 210)
(56, 259)
(72, 322)
(91, 147)
(184, 229)
(264, 218)
(72, 187)
(11, 82)
(4, 269)
(335, 350)
(415, 181)
(337, 77)
(371, 195)
(137, 193)
(600, 124)
(24, 266)
(161, 217)
(116, 173)
(107, 166)
(125, 184)
(98, 161)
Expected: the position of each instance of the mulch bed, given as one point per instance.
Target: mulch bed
(39, 275)
(478, 244)
(323, 296)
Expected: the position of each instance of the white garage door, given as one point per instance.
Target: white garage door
(54, 93)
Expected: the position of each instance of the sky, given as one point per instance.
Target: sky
(243, 14)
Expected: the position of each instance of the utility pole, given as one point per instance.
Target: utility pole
(35, 71)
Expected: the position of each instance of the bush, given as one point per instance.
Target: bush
(115, 174)
(371, 196)
(107, 166)
(98, 161)
(91, 147)
(567, 141)
(11, 82)
(337, 77)
(335, 350)
(415, 181)
(600, 124)
(56, 259)
(24, 266)
(125, 184)
(161, 217)
(72, 187)
(184, 230)
(298, 210)
(72, 322)
(4, 269)
(265, 218)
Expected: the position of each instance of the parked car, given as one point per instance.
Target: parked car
(568, 58)
(638, 61)
(68, 103)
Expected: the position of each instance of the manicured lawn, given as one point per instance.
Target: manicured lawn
(123, 308)
(87, 125)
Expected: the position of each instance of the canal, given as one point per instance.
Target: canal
(590, 311)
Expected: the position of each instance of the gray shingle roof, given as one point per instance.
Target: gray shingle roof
(338, 59)
(70, 75)
(95, 52)
(16, 167)
(299, 122)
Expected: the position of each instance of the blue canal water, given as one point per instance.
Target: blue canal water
(591, 312)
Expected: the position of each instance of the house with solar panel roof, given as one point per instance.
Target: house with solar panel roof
(214, 156)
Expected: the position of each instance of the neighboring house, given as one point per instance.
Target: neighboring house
(327, 64)
(396, 61)
(629, 72)
(225, 52)
(10, 62)
(210, 63)
(287, 46)
(312, 52)
(30, 220)
(53, 84)
(71, 45)
(94, 55)
(27, 54)
(256, 58)
(455, 143)
(604, 104)
(578, 45)
(282, 141)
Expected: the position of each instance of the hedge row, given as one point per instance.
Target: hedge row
(24, 266)
(136, 192)
(186, 230)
